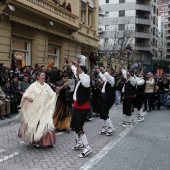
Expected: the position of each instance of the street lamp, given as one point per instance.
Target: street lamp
(128, 49)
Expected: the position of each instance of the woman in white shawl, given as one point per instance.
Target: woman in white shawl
(37, 109)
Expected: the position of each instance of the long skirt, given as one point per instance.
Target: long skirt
(62, 115)
(47, 139)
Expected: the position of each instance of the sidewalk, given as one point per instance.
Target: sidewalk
(9, 121)
(145, 147)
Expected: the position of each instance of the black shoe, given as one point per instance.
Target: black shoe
(50, 146)
(149, 111)
(37, 146)
(8, 116)
(2, 117)
(16, 111)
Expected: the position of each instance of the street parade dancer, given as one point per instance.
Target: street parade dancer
(81, 99)
(129, 93)
(107, 100)
(37, 109)
(139, 99)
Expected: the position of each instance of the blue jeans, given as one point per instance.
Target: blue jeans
(116, 97)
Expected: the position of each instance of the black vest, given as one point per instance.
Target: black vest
(141, 89)
(110, 92)
(82, 94)
(130, 91)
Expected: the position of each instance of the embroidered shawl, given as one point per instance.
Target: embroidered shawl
(37, 116)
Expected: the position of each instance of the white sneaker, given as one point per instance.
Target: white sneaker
(110, 132)
(78, 145)
(140, 119)
(86, 151)
(127, 124)
(123, 123)
(103, 131)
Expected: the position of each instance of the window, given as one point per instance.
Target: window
(121, 13)
(90, 18)
(166, 19)
(121, 26)
(162, 14)
(106, 14)
(21, 50)
(164, 7)
(83, 12)
(106, 40)
(121, 1)
(53, 55)
(107, 1)
(106, 27)
(166, 13)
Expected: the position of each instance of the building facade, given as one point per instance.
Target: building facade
(164, 13)
(39, 31)
(131, 22)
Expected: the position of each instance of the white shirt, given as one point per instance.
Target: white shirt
(84, 79)
(106, 77)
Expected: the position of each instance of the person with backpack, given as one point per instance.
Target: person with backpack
(129, 93)
(107, 100)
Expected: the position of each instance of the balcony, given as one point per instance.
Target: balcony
(142, 47)
(143, 20)
(168, 47)
(143, 6)
(145, 35)
(48, 10)
(168, 41)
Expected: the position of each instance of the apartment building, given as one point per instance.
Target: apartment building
(131, 22)
(39, 31)
(164, 14)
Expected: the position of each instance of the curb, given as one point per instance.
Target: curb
(9, 121)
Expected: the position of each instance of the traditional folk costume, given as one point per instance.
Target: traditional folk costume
(107, 101)
(37, 116)
(139, 99)
(81, 99)
(63, 110)
(129, 93)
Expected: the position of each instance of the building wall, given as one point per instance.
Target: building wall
(69, 40)
(131, 18)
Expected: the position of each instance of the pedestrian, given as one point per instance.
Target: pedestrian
(37, 109)
(107, 100)
(81, 108)
(5, 109)
(129, 93)
(149, 89)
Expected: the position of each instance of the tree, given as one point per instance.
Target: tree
(161, 64)
(118, 37)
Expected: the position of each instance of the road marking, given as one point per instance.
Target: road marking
(93, 161)
(60, 133)
(9, 156)
(2, 150)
